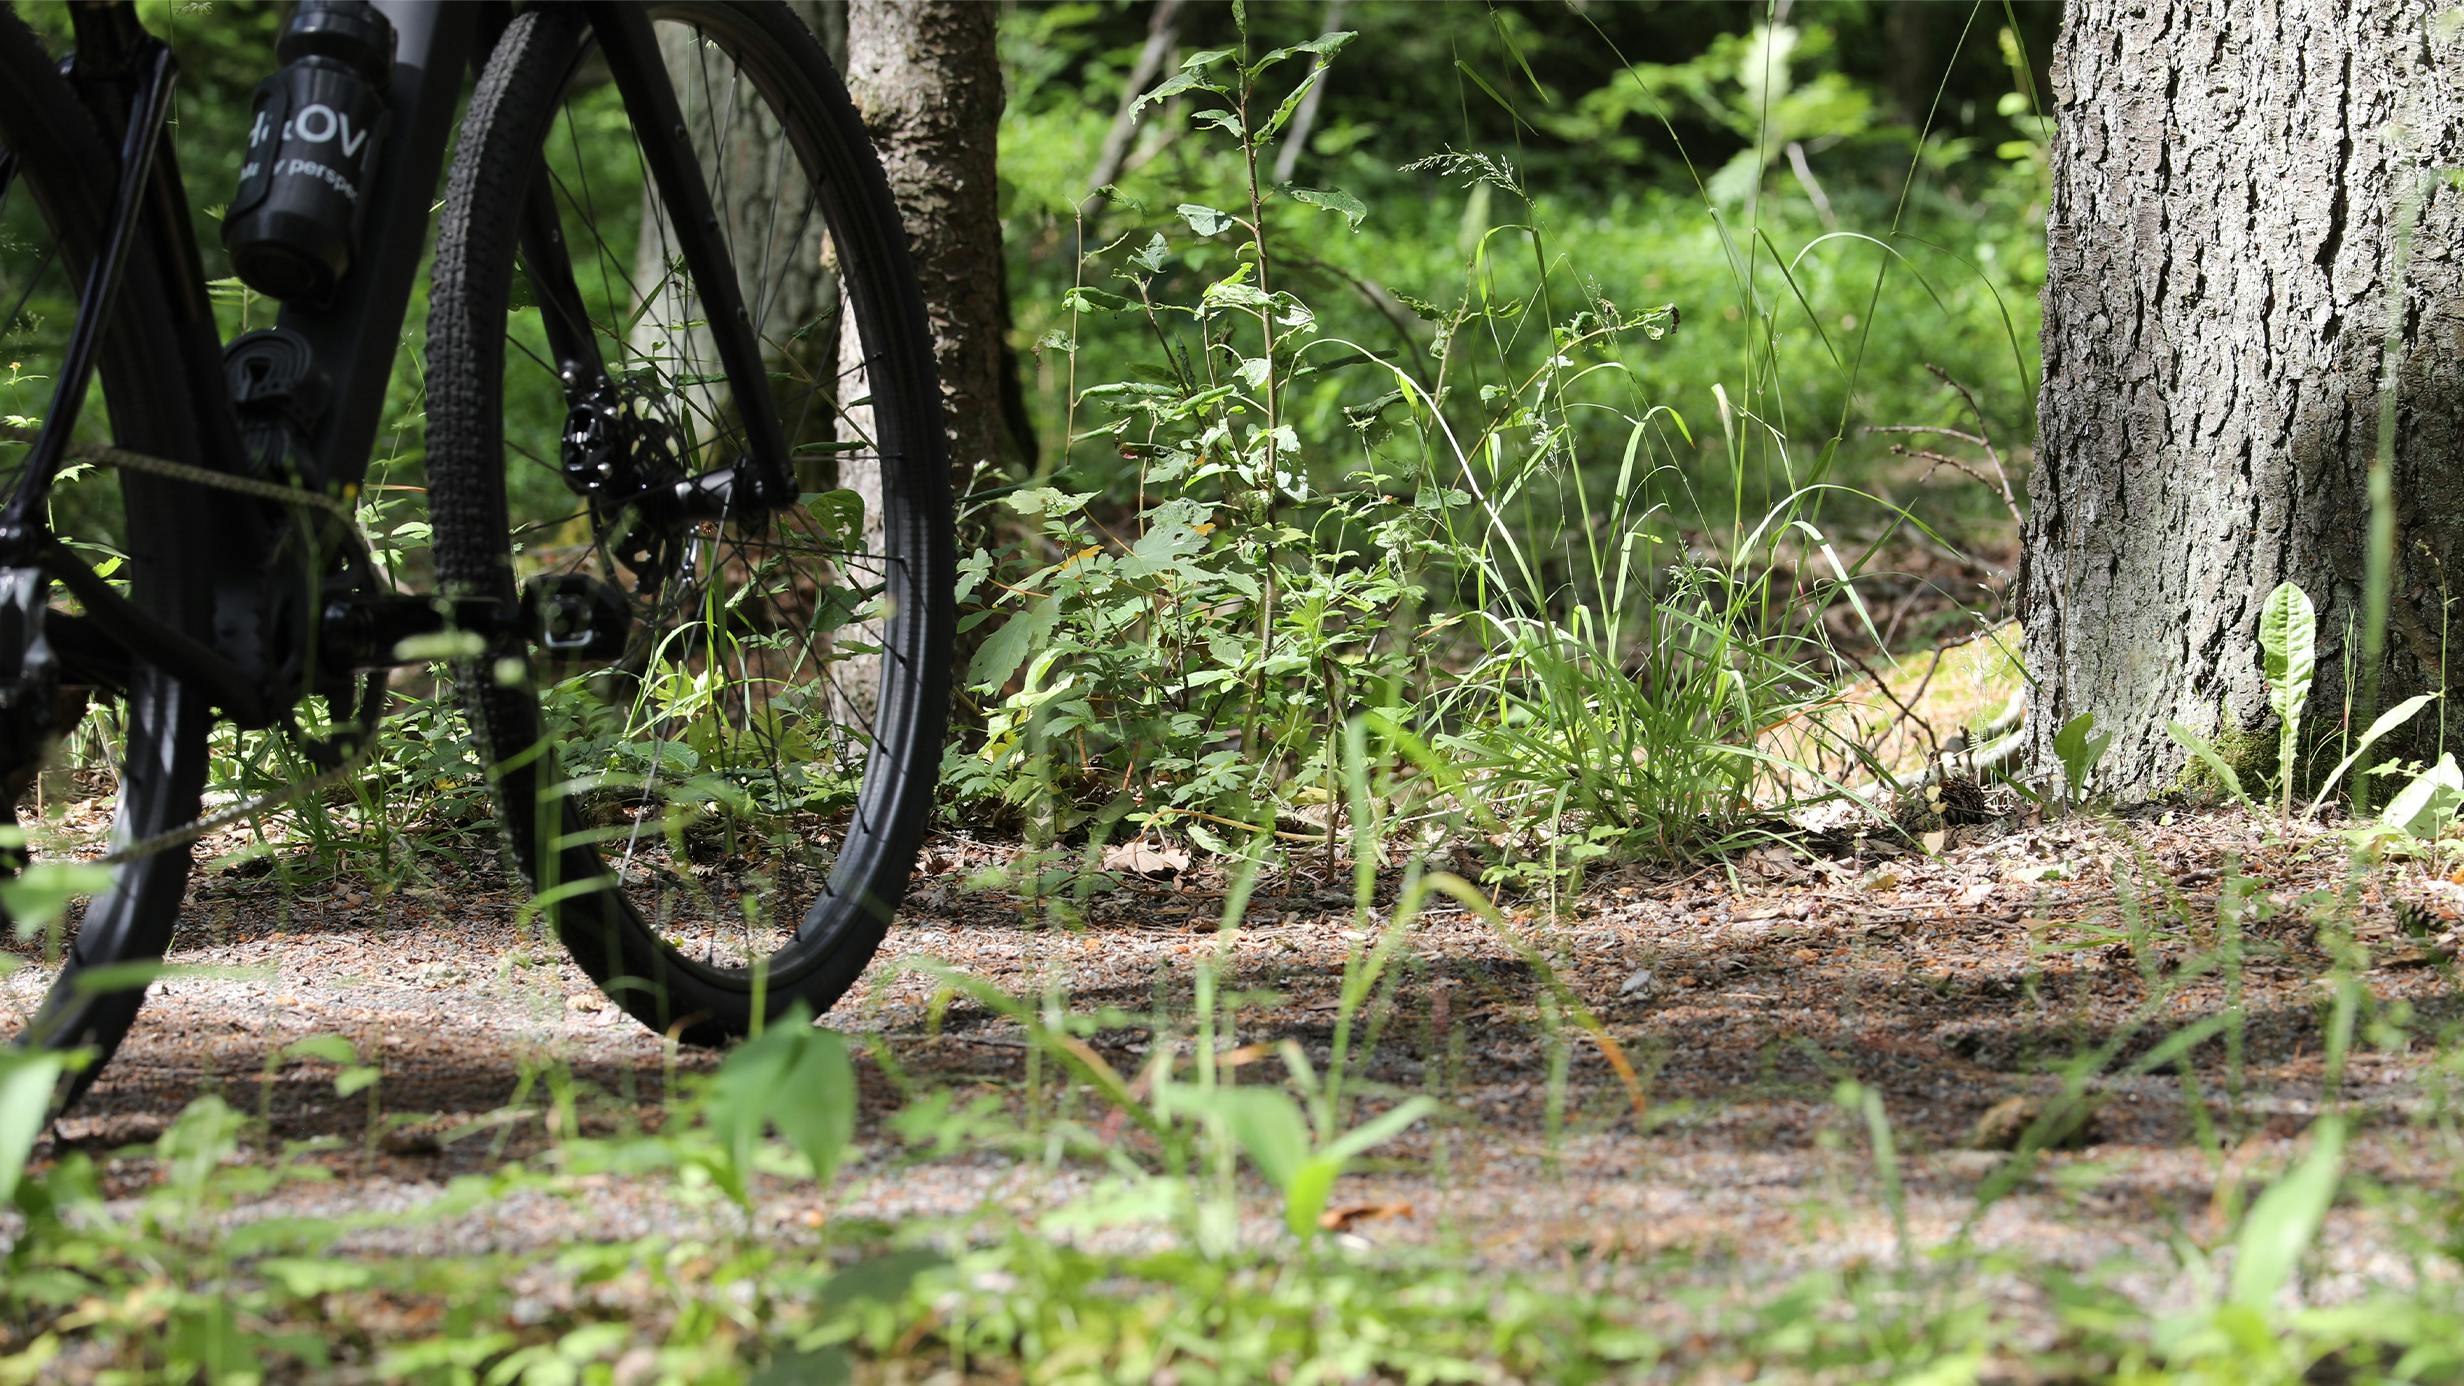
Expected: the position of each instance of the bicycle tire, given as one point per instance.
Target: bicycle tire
(64, 162)
(644, 963)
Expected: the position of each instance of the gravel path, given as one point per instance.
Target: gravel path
(1741, 997)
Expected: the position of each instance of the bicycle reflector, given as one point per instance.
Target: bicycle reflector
(294, 222)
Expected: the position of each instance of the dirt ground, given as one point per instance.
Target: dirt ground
(1741, 995)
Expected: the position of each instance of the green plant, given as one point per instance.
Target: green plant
(2427, 806)
(2080, 748)
(2288, 644)
(28, 1078)
(1274, 1133)
(2238, 1331)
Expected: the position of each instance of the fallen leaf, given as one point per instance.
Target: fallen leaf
(1139, 857)
(2414, 957)
(1343, 1218)
(2006, 1122)
(1246, 1054)
(1777, 864)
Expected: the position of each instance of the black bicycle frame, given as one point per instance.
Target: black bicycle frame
(354, 339)
(125, 75)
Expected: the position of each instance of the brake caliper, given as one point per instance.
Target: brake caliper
(618, 455)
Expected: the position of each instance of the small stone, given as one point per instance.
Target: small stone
(1642, 986)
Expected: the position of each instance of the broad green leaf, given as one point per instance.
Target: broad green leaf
(2208, 755)
(883, 1279)
(1204, 220)
(1312, 1186)
(332, 1049)
(2283, 1220)
(792, 1078)
(2388, 721)
(1233, 292)
(1380, 1129)
(840, 513)
(744, 1092)
(2079, 750)
(1313, 1183)
(2425, 807)
(1352, 208)
(1189, 78)
(1324, 46)
(2288, 638)
(1226, 121)
(1267, 1125)
(2288, 644)
(40, 894)
(1007, 648)
(816, 1109)
(27, 1079)
(1049, 502)
(1290, 105)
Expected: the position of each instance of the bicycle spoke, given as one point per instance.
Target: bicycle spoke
(734, 746)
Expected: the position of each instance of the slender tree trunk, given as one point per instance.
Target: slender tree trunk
(2235, 186)
(1163, 33)
(927, 78)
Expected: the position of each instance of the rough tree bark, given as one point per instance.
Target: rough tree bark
(2231, 185)
(927, 78)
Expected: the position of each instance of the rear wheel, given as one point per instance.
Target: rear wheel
(54, 206)
(721, 824)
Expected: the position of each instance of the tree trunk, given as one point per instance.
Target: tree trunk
(927, 78)
(2233, 186)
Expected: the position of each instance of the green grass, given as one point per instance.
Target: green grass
(1562, 492)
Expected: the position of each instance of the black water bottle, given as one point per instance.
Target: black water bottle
(312, 145)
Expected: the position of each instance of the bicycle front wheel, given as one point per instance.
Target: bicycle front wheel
(720, 824)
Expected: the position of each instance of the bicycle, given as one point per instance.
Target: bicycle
(702, 641)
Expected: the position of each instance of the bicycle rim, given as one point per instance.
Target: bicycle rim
(722, 822)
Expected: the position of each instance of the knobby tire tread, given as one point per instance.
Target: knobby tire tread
(497, 156)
